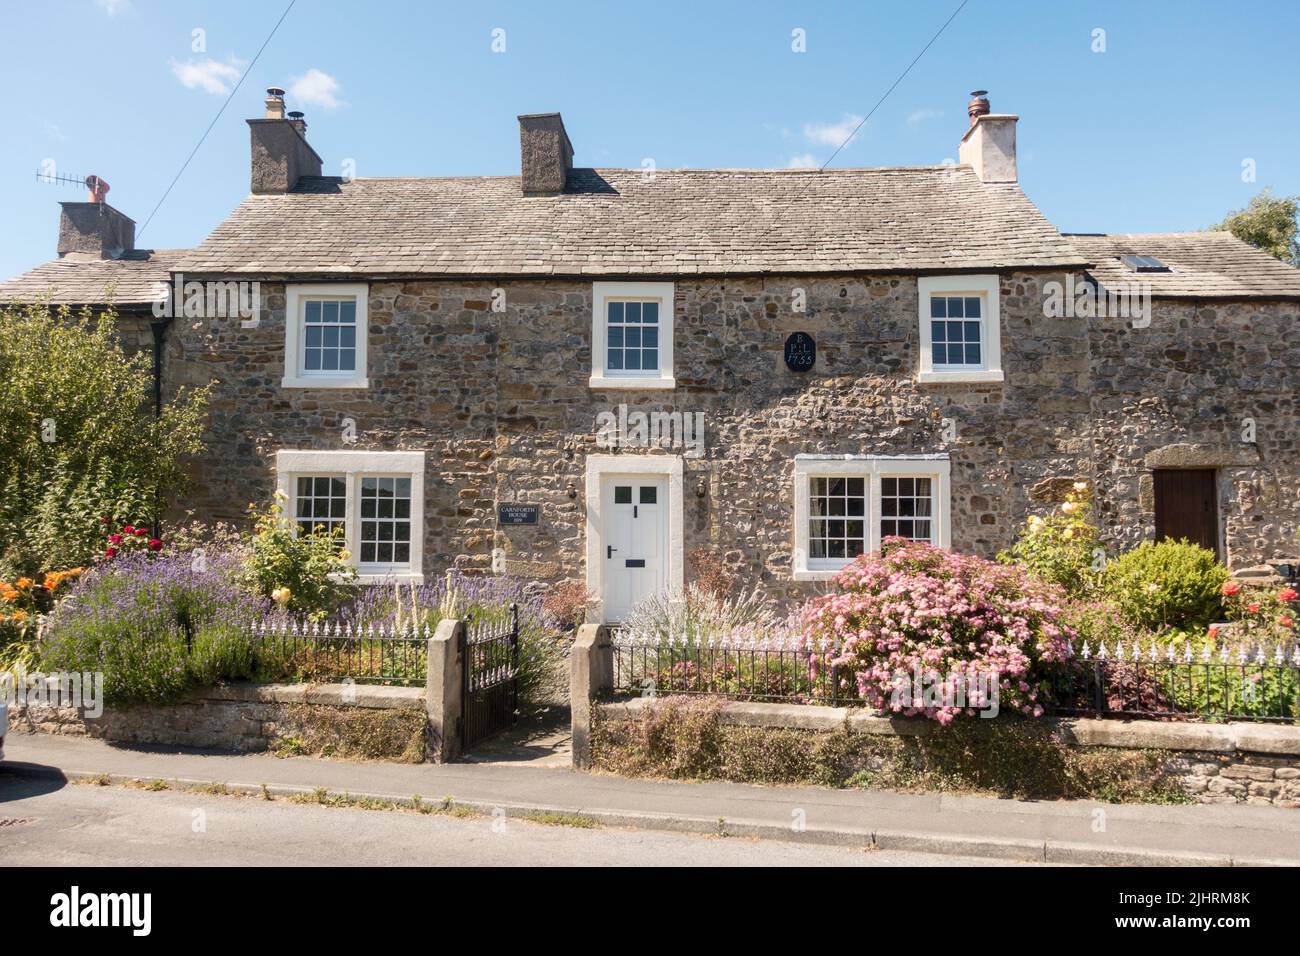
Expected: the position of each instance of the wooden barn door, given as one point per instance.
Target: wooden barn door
(1187, 506)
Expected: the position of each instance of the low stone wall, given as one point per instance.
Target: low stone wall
(1210, 763)
(345, 720)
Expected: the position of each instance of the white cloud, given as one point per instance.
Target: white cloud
(113, 7)
(314, 88)
(211, 76)
(917, 117)
(832, 134)
(803, 161)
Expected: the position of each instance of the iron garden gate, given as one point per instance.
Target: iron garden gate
(490, 681)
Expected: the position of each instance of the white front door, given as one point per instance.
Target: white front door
(634, 541)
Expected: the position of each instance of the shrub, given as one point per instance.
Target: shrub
(566, 604)
(712, 574)
(1166, 584)
(697, 616)
(307, 573)
(1060, 548)
(969, 627)
(78, 437)
(155, 626)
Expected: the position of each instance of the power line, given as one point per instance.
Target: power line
(902, 76)
(195, 150)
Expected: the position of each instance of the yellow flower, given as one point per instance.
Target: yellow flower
(281, 595)
(1067, 534)
(345, 554)
(1068, 507)
(1080, 486)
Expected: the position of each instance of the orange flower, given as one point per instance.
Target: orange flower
(24, 583)
(11, 595)
(20, 615)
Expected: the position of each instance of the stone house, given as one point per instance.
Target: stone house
(589, 374)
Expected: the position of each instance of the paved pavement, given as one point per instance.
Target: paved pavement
(87, 825)
(1064, 832)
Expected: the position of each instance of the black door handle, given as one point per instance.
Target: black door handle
(609, 551)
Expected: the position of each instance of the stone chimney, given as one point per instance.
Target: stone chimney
(94, 228)
(281, 155)
(545, 154)
(989, 145)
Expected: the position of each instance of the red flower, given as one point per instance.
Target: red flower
(110, 552)
(1286, 621)
(1230, 588)
(1252, 608)
(115, 538)
(155, 544)
(129, 529)
(142, 532)
(1287, 594)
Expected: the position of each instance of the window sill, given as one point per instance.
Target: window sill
(389, 577)
(819, 574)
(300, 381)
(632, 382)
(974, 375)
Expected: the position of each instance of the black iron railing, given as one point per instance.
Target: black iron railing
(756, 670)
(1214, 681)
(314, 650)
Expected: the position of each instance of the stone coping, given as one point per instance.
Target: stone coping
(377, 696)
(1261, 738)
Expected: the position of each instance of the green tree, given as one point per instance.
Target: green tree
(78, 438)
(1268, 223)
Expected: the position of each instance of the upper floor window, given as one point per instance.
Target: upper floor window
(960, 325)
(325, 336)
(632, 335)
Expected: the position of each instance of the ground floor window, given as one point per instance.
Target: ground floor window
(376, 498)
(845, 505)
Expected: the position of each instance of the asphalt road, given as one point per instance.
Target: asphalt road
(53, 823)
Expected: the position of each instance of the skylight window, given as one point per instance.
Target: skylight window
(1144, 263)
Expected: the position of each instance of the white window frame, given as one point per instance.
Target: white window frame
(602, 293)
(295, 297)
(353, 466)
(872, 468)
(985, 287)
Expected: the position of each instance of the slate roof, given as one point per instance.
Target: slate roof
(80, 279)
(1214, 265)
(617, 222)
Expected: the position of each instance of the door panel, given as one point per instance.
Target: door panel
(634, 533)
(1187, 506)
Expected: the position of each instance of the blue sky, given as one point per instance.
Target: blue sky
(1149, 135)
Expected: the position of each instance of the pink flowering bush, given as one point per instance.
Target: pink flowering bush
(957, 621)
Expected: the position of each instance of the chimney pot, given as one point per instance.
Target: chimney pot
(300, 124)
(98, 189)
(274, 103)
(978, 105)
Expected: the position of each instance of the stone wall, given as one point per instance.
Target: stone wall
(501, 406)
(338, 720)
(1210, 763)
